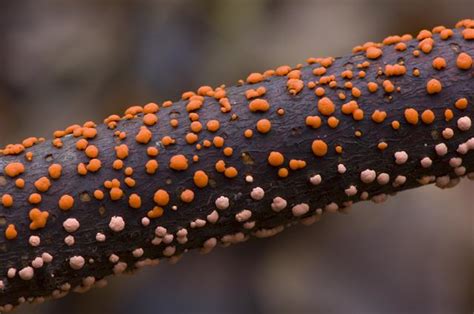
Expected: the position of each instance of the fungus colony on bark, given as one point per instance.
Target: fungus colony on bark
(223, 164)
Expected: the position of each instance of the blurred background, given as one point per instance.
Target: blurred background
(63, 62)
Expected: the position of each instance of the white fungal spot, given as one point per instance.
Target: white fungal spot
(448, 133)
(401, 157)
(351, 191)
(99, 237)
(300, 209)
(37, 262)
(76, 262)
(213, 217)
(26, 273)
(69, 240)
(244, 215)
(315, 180)
(113, 258)
(257, 194)
(399, 180)
(138, 253)
(441, 149)
(426, 162)
(464, 123)
(11, 272)
(278, 204)
(341, 169)
(331, 207)
(169, 251)
(145, 221)
(71, 224)
(160, 231)
(120, 268)
(47, 258)
(222, 202)
(383, 178)
(116, 223)
(368, 176)
(455, 162)
(34, 241)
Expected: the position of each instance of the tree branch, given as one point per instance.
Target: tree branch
(222, 165)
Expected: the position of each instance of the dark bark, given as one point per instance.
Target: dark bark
(289, 135)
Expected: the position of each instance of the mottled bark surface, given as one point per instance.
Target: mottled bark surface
(289, 135)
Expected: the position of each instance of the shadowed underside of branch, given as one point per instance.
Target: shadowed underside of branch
(224, 164)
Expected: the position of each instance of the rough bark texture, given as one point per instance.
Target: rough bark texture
(289, 135)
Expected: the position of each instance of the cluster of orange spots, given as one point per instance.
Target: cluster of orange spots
(379, 116)
(187, 196)
(426, 45)
(395, 70)
(161, 197)
(38, 218)
(254, 93)
(34, 198)
(178, 162)
(167, 140)
(151, 166)
(294, 85)
(428, 116)
(98, 194)
(121, 151)
(382, 146)
(156, 212)
(319, 148)
(259, 105)
(150, 119)
(115, 193)
(372, 87)
(144, 135)
(264, 126)
(448, 115)
(283, 172)
(10, 232)
(373, 52)
(66, 202)
(296, 164)
(326, 107)
(333, 122)
(91, 151)
(200, 179)
(276, 159)
(439, 63)
(468, 34)
(7, 200)
(218, 142)
(213, 125)
(195, 103)
(13, 149)
(461, 103)
(134, 201)
(313, 121)
(254, 78)
(349, 107)
(231, 172)
(388, 86)
(42, 184)
(433, 86)
(14, 169)
(464, 61)
(411, 116)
